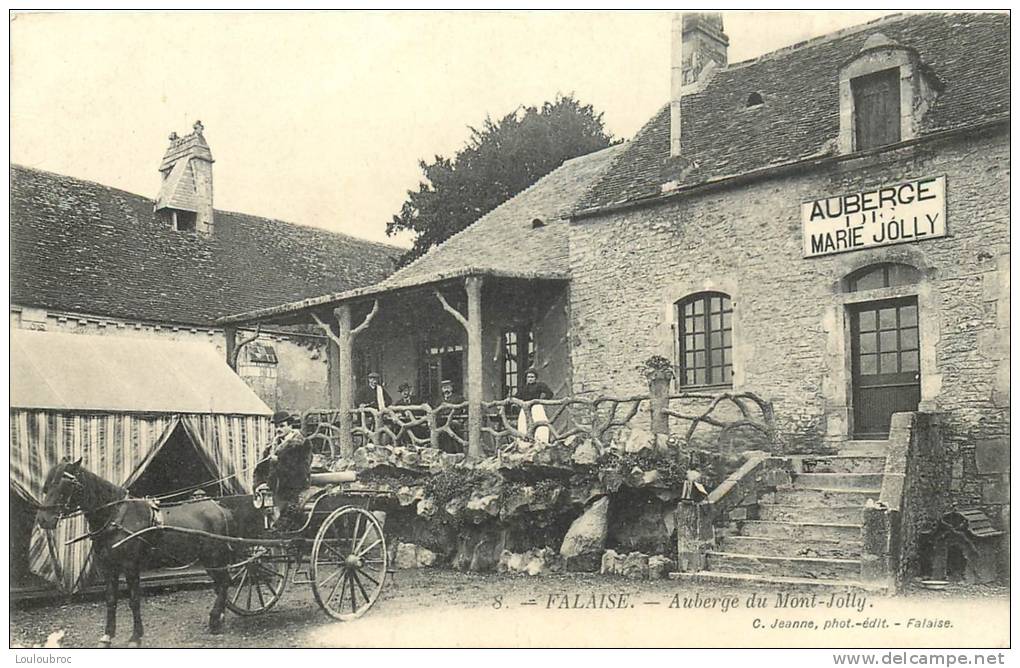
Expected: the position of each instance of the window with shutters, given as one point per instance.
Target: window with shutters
(705, 337)
(876, 109)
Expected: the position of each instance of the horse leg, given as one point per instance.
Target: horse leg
(112, 586)
(221, 581)
(134, 580)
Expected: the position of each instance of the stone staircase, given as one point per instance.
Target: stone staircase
(806, 534)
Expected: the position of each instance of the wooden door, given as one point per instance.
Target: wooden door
(885, 360)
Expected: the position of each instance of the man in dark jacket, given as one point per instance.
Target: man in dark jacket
(286, 469)
(455, 416)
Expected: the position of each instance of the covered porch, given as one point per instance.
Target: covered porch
(479, 329)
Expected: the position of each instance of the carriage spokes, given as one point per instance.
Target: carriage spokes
(257, 584)
(349, 553)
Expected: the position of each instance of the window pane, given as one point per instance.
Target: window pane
(908, 316)
(716, 304)
(908, 339)
(909, 361)
(689, 360)
(699, 306)
(716, 357)
(867, 321)
(699, 359)
(887, 341)
(727, 374)
(691, 377)
(699, 342)
(699, 376)
(728, 356)
(887, 364)
(887, 318)
(717, 339)
(869, 365)
(698, 324)
(727, 320)
(727, 338)
(717, 321)
(868, 343)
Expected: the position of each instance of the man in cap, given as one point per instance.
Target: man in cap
(455, 416)
(286, 468)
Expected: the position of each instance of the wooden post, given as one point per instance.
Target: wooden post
(473, 285)
(345, 376)
(230, 334)
(333, 377)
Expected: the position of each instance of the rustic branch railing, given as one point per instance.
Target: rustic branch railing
(598, 418)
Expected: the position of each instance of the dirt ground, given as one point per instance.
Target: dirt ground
(437, 608)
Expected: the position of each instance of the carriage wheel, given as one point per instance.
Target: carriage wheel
(348, 563)
(258, 585)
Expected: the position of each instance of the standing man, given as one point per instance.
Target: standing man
(455, 417)
(374, 396)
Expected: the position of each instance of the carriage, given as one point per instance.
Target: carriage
(339, 549)
(335, 542)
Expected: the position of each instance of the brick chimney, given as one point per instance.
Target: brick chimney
(185, 199)
(697, 41)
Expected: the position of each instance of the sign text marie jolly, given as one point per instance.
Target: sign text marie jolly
(891, 214)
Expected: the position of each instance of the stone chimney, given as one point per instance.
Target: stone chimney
(185, 199)
(697, 41)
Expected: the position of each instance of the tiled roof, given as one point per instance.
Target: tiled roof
(84, 247)
(505, 240)
(969, 53)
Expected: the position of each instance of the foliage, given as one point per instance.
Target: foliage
(499, 160)
(656, 366)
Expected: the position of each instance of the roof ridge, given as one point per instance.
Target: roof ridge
(820, 39)
(107, 187)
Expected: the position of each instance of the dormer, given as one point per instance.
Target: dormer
(185, 200)
(884, 92)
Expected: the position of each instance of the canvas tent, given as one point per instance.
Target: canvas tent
(115, 402)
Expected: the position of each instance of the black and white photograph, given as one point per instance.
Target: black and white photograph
(510, 329)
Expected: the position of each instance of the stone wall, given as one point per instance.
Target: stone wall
(296, 382)
(630, 267)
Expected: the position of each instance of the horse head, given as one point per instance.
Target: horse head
(62, 493)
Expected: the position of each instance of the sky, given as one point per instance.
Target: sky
(321, 118)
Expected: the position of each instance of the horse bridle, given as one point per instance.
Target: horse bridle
(68, 506)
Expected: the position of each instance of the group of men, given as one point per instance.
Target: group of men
(374, 395)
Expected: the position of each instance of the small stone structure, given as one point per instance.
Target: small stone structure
(964, 547)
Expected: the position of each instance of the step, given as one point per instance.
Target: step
(838, 480)
(801, 530)
(800, 567)
(825, 497)
(863, 448)
(840, 464)
(812, 514)
(785, 547)
(715, 578)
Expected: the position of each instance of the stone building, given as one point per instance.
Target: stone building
(92, 259)
(825, 225)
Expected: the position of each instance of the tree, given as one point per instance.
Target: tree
(497, 162)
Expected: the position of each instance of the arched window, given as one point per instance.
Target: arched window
(884, 275)
(705, 331)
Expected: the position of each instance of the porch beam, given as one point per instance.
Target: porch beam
(473, 286)
(345, 371)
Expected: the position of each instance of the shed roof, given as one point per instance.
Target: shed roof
(77, 372)
(723, 137)
(84, 247)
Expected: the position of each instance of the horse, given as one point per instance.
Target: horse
(113, 515)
